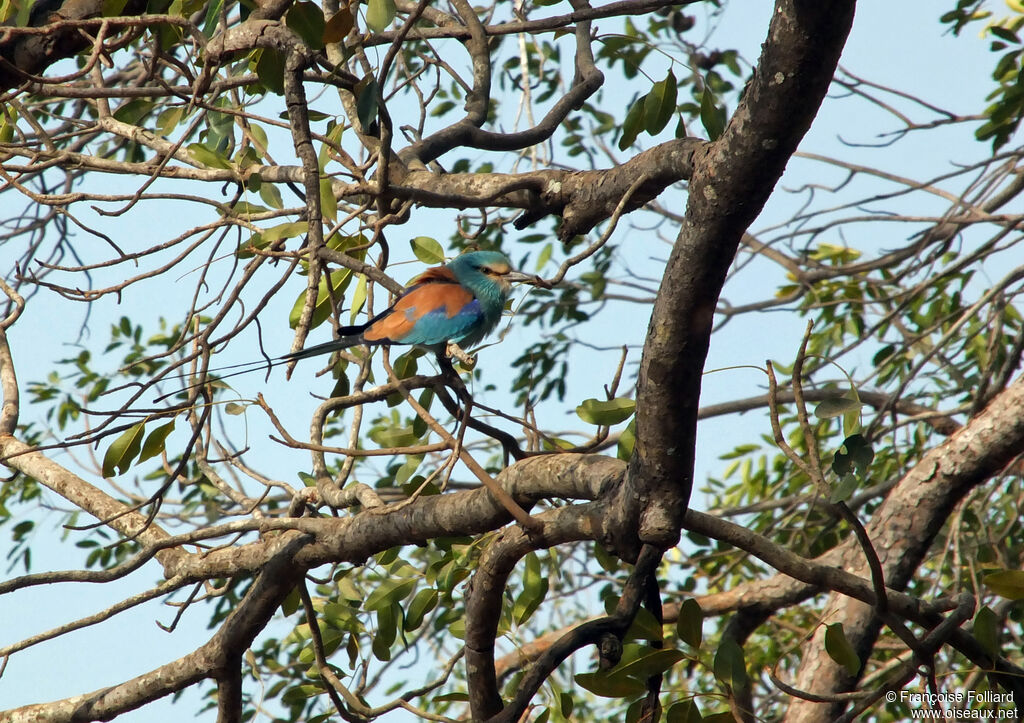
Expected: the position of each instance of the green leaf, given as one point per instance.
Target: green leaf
(340, 279)
(545, 255)
(270, 70)
(684, 712)
(427, 250)
(331, 640)
(328, 201)
(651, 662)
(690, 623)
(451, 698)
(284, 230)
(405, 365)
(1006, 583)
(168, 120)
(566, 704)
(724, 717)
(291, 603)
(1000, 32)
(425, 601)
(535, 587)
(387, 631)
(392, 590)
(729, 666)
(366, 101)
(835, 407)
(986, 630)
(394, 436)
(338, 26)
(457, 629)
(839, 648)
(606, 412)
(358, 299)
(124, 449)
(848, 484)
(406, 472)
(854, 455)
(660, 104)
(306, 19)
(380, 14)
(244, 208)
(627, 440)
(213, 12)
(339, 615)
(246, 158)
(633, 712)
(645, 627)
(711, 116)
(154, 443)
(169, 36)
(207, 157)
(610, 685)
(851, 422)
(631, 125)
(272, 197)
(299, 693)
(113, 8)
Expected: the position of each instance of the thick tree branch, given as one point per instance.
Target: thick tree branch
(298, 121)
(354, 539)
(905, 526)
(8, 388)
(484, 601)
(591, 632)
(218, 658)
(582, 198)
(19, 456)
(22, 56)
(469, 133)
(732, 179)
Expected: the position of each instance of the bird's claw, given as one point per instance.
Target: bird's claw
(454, 351)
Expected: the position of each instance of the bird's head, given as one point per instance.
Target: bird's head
(493, 266)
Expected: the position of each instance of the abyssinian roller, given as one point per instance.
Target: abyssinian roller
(459, 302)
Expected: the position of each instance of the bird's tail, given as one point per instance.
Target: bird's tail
(346, 336)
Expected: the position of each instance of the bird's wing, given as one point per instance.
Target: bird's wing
(431, 312)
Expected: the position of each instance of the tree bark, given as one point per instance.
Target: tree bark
(902, 531)
(732, 179)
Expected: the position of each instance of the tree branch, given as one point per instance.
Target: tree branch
(732, 179)
(215, 659)
(907, 523)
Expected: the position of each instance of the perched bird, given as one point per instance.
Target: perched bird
(459, 302)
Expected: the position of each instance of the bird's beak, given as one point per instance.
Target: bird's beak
(516, 277)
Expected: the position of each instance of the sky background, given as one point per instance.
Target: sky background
(901, 44)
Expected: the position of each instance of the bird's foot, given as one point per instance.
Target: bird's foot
(454, 351)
